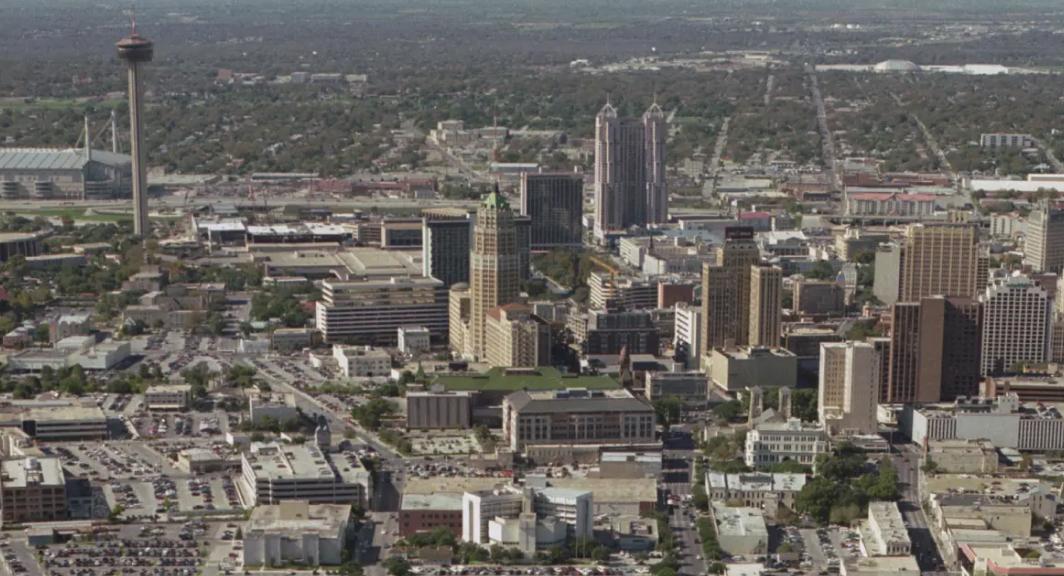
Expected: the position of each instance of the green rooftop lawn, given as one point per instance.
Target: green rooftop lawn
(544, 379)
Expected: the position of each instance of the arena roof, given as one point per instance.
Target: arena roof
(55, 158)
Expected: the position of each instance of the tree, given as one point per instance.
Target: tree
(668, 410)
(600, 554)
(816, 498)
(116, 513)
(730, 410)
(397, 566)
(699, 497)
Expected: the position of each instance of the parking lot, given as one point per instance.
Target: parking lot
(179, 425)
(110, 460)
(17, 557)
(169, 550)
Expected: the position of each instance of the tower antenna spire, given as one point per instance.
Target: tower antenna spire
(133, 20)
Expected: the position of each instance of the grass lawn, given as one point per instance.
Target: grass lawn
(543, 378)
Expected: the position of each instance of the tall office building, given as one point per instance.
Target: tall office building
(766, 305)
(687, 334)
(445, 245)
(555, 205)
(847, 398)
(1043, 240)
(494, 265)
(458, 313)
(941, 260)
(523, 233)
(516, 338)
(726, 291)
(629, 170)
(655, 133)
(136, 50)
(881, 345)
(935, 350)
(1016, 325)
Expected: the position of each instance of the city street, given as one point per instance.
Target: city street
(925, 548)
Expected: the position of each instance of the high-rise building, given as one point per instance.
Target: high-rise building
(555, 205)
(726, 291)
(515, 338)
(766, 305)
(655, 133)
(372, 311)
(934, 350)
(458, 311)
(849, 388)
(940, 260)
(494, 266)
(136, 50)
(881, 345)
(887, 279)
(445, 246)
(1043, 241)
(629, 170)
(687, 334)
(612, 332)
(523, 233)
(1016, 325)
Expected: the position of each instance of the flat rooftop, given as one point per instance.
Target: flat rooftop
(510, 379)
(604, 490)
(450, 485)
(882, 565)
(272, 462)
(577, 399)
(16, 236)
(298, 517)
(747, 353)
(983, 485)
(168, 389)
(65, 414)
(32, 472)
(889, 521)
(450, 501)
(756, 482)
(739, 521)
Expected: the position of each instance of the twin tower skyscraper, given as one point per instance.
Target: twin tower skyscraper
(630, 185)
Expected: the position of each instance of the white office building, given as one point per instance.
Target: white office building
(847, 399)
(687, 333)
(296, 532)
(1016, 325)
(414, 340)
(273, 473)
(885, 534)
(529, 519)
(362, 361)
(775, 442)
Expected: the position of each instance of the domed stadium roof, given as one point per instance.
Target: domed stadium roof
(896, 66)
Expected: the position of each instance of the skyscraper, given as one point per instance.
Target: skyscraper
(940, 260)
(494, 265)
(655, 132)
(630, 185)
(445, 245)
(726, 291)
(1016, 325)
(849, 381)
(136, 50)
(1043, 241)
(934, 350)
(555, 204)
(766, 306)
